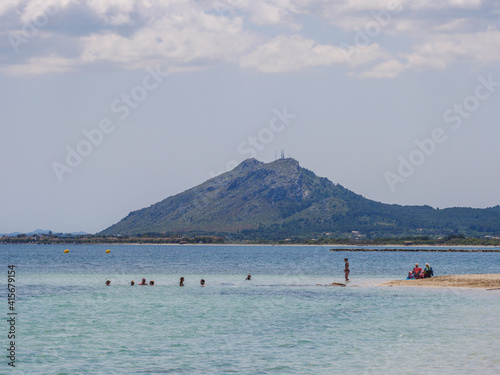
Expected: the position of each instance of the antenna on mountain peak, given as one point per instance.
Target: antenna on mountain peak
(282, 153)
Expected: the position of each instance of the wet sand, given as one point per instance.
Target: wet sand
(484, 281)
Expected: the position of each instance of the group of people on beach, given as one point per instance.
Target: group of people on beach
(419, 273)
(181, 281)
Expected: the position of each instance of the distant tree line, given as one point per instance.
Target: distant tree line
(264, 235)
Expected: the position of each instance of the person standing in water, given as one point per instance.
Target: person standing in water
(181, 281)
(346, 269)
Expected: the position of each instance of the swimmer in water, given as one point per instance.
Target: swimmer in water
(202, 282)
(143, 282)
(132, 283)
(152, 282)
(181, 281)
(249, 277)
(108, 282)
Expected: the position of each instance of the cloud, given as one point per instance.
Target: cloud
(114, 12)
(482, 47)
(187, 38)
(439, 53)
(364, 54)
(8, 5)
(387, 69)
(401, 14)
(291, 53)
(447, 4)
(453, 25)
(41, 65)
(38, 11)
(273, 13)
(379, 38)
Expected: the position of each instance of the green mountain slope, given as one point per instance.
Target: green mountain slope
(281, 199)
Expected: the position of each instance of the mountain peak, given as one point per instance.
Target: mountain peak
(285, 161)
(253, 163)
(248, 164)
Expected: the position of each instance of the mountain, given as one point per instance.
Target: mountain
(281, 199)
(39, 232)
(13, 234)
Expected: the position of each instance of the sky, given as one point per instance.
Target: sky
(109, 106)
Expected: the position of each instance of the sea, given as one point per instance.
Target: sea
(285, 320)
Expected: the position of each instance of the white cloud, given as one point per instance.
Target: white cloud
(444, 4)
(439, 53)
(291, 53)
(115, 12)
(387, 69)
(42, 10)
(192, 36)
(401, 14)
(272, 13)
(269, 36)
(8, 5)
(41, 65)
(482, 47)
(363, 5)
(364, 54)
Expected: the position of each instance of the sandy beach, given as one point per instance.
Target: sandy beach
(484, 281)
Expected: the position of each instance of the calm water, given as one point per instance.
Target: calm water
(280, 322)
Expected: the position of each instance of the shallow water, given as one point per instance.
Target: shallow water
(280, 322)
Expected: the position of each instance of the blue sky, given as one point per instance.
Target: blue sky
(109, 106)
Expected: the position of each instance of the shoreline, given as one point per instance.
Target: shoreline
(489, 281)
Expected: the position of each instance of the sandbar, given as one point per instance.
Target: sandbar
(483, 281)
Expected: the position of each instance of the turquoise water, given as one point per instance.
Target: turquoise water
(280, 322)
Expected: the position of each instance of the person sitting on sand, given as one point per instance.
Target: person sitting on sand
(249, 277)
(417, 272)
(143, 282)
(108, 282)
(152, 282)
(428, 272)
(181, 282)
(202, 282)
(132, 283)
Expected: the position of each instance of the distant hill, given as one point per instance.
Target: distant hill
(38, 232)
(280, 199)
